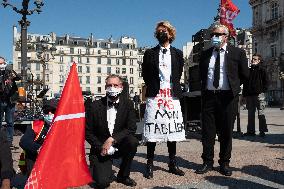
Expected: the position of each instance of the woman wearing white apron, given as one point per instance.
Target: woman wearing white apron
(161, 70)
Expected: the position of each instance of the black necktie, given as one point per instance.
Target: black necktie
(113, 104)
(217, 70)
(164, 51)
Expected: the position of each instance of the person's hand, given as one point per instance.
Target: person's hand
(8, 81)
(6, 184)
(107, 144)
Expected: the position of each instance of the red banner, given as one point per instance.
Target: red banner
(228, 12)
(61, 162)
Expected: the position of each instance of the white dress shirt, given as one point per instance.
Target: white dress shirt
(223, 81)
(165, 67)
(111, 116)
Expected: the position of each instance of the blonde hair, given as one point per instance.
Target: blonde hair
(170, 28)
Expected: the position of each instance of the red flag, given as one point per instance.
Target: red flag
(61, 162)
(228, 12)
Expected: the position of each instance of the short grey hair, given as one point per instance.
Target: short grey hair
(226, 30)
(1, 57)
(114, 76)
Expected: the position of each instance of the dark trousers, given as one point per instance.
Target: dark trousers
(9, 110)
(151, 149)
(253, 103)
(218, 113)
(102, 165)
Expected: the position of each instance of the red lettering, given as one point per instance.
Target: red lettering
(160, 102)
(163, 92)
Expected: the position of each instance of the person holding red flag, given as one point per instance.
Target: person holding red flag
(110, 129)
(34, 137)
(61, 162)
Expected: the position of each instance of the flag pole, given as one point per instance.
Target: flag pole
(218, 17)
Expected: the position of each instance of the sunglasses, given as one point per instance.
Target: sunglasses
(217, 34)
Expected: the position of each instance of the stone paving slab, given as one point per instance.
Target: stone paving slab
(256, 162)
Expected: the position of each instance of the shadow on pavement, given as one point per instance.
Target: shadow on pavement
(232, 183)
(269, 138)
(275, 125)
(278, 146)
(165, 159)
(141, 167)
(265, 173)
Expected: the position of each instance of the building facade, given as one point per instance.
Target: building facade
(95, 58)
(244, 41)
(188, 60)
(268, 40)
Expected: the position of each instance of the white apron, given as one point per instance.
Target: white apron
(163, 116)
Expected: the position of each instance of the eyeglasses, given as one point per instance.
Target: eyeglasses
(217, 34)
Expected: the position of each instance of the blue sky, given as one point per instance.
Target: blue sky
(133, 18)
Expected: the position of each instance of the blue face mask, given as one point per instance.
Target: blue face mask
(216, 41)
(48, 118)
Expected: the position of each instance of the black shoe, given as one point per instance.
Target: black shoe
(149, 171)
(262, 134)
(225, 170)
(126, 181)
(204, 169)
(249, 134)
(174, 169)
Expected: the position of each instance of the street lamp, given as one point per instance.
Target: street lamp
(24, 11)
(42, 55)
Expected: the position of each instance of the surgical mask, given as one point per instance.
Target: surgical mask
(3, 66)
(113, 92)
(48, 118)
(216, 41)
(162, 37)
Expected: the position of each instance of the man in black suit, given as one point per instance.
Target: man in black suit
(223, 68)
(110, 129)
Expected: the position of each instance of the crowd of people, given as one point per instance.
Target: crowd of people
(111, 120)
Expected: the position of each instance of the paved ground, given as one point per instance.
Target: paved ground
(257, 162)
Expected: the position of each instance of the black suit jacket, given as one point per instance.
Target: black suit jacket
(97, 131)
(150, 71)
(236, 65)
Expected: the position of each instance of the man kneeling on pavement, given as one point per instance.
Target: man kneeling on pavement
(110, 129)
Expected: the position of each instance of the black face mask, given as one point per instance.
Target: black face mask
(162, 37)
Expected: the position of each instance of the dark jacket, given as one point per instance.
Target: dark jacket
(31, 146)
(8, 91)
(28, 144)
(6, 161)
(97, 131)
(236, 64)
(150, 71)
(257, 82)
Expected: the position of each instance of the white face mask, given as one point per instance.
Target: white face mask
(216, 41)
(113, 92)
(48, 118)
(3, 66)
